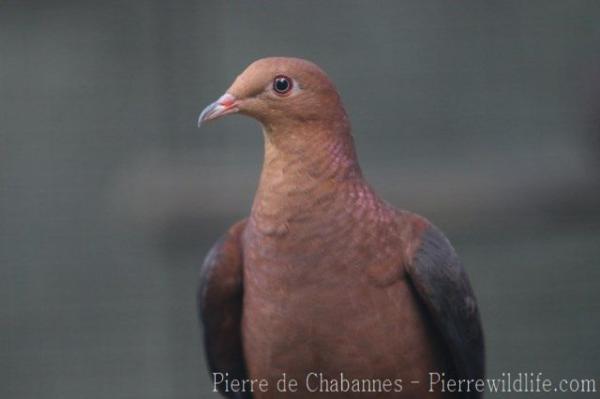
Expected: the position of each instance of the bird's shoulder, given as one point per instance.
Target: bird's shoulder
(411, 244)
(426, 251)
(396, 244)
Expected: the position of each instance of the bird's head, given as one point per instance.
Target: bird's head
(280, 93)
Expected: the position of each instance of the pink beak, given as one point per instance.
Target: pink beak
(225, 105)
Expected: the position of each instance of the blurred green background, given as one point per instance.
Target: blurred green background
(484, 116)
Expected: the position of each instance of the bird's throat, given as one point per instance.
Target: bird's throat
(305, 176)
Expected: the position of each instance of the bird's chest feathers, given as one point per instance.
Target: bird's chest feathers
(316, 221)
(323, 244)
(335, 270)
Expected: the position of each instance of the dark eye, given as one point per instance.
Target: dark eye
(282, 84)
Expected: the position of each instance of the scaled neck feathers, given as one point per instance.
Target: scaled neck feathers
(307, 168)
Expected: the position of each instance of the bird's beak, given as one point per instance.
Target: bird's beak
(225, 105)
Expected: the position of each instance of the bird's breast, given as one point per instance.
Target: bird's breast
(332, 302)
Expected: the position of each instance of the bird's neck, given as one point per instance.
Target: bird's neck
(306, 171)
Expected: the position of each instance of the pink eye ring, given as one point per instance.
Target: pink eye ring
(282, 85)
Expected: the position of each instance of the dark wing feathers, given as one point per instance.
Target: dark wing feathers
(220, 296)
(444, 287)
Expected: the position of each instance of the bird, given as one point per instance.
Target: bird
(325, 283)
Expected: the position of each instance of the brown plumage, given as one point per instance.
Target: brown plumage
(324, 276)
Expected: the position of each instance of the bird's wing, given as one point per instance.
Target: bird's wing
(220, 296)
(443, 286)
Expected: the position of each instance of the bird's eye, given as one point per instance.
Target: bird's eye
(282, 85)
